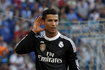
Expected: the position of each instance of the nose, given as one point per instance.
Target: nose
(53, 23)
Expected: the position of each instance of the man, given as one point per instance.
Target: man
(53, 50)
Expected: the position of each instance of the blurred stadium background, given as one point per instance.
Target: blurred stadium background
(81, 20)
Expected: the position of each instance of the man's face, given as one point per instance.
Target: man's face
(51, 23)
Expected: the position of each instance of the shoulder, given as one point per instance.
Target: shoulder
(66, 38)
(69, 41)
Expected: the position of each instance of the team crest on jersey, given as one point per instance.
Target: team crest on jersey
(61, 44)
(41, 41)
(42, 47)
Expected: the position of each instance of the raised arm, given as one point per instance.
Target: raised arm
(28, 43)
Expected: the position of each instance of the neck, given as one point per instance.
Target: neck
(50, 35)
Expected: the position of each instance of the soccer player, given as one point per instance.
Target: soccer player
(53, 50)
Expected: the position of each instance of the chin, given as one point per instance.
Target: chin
(51, 32)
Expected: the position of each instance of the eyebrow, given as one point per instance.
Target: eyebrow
(52, 20)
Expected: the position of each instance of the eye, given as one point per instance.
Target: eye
(50, 20)
(56, 20)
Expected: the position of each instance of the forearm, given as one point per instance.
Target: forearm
(26, 44)
(73, 62)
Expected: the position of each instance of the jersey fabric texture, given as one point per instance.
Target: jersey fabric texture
(57, 53)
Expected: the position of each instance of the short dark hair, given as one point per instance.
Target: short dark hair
(49, 11)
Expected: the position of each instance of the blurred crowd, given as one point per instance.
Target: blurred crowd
(76, 16)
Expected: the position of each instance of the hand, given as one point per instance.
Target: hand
(37, 23)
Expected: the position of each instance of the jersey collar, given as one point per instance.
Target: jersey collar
(53, 38)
